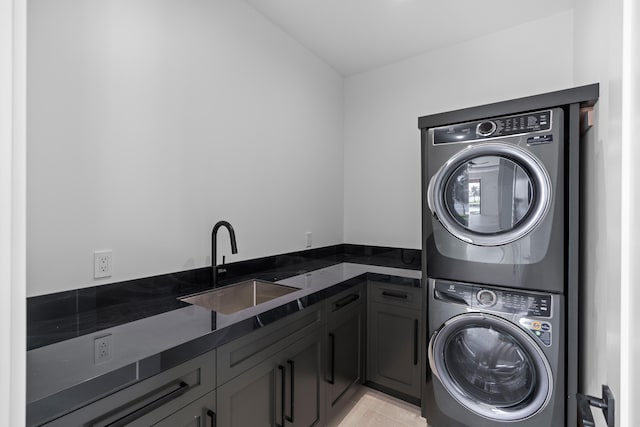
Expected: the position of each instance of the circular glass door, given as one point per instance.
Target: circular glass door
(490, 194)
(491, 367)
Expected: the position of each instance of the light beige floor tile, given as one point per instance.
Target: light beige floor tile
(371, 408)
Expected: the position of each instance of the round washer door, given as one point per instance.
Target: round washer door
(491, 367)
(490, 194)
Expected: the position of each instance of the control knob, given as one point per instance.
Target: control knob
(486, 298)
(486, 128)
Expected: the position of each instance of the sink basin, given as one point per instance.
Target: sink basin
(232, 298)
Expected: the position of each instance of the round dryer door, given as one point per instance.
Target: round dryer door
(490, 194)
(491, 367)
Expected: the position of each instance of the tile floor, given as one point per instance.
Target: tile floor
(370, 408)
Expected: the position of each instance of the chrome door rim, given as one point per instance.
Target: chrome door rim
(542, 395)
(530, 163)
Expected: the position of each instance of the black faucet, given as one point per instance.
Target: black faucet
(234, 248)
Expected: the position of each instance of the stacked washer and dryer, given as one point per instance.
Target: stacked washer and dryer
(495, 266)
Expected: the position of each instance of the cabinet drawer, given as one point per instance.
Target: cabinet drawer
(245, 352)
(345, 301)
(388, 293)
(148, 401)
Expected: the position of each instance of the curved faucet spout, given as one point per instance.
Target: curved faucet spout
(214, 238)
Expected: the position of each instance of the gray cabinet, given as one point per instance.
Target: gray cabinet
(393, 339)
(345, 345)
(200, 413)
(151, 401)
(285, 389)
(251, 398)
(298, 371)
(304, 388)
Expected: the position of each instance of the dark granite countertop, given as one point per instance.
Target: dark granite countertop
(63, 376)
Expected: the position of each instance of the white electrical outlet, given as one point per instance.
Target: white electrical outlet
(102, 349)
(102, 264)
(308, 240)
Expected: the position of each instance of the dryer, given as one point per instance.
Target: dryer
(495, 201)
(496, 357)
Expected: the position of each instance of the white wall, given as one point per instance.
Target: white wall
(598, 58)
(150, 120)
(631, 268)
(381, 138)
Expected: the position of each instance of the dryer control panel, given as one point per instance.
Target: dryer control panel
(494, 299)
(513, 125)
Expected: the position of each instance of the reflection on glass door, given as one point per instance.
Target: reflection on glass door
(474, 196)
(490, 194)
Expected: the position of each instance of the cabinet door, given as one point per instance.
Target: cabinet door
(304, 397)
(344, 349)
(200, 413)
(285, 389)
(393, 352)
(250, 399)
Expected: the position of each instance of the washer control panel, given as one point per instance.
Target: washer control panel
(518, 124)
(494, 299)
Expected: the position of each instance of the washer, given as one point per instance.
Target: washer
(495, 201)
(496, 357)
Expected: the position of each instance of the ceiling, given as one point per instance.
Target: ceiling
(357, 35)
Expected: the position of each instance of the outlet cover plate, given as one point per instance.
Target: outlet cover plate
(102, 349)
(102, 264)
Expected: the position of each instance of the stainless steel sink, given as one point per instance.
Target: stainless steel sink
(233, 298)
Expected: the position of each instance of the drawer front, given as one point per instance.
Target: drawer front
(344, 302)
(243, 353)
(387, 293)
(148, 401)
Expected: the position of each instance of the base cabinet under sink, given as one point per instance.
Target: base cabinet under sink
(283, 390)
(308, 380)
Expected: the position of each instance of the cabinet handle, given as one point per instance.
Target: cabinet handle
(183, 387)
(283, 379)
(415, 341)
(346, 301)
(212, 416)
(291, 382)
(392, 294)
(332, 338)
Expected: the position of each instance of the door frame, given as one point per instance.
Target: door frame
(13, 47)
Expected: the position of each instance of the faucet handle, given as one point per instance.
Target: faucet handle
(221, 269)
